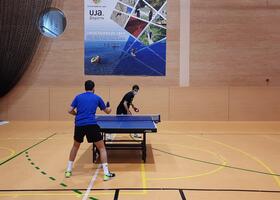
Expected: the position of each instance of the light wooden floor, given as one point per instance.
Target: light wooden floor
(206, 160)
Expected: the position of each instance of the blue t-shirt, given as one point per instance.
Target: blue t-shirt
(86, 105)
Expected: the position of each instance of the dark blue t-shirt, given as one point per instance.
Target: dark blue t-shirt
(86, 105)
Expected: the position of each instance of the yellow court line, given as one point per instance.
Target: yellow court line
(143, 177)
(224, 162)
(70, 193)
(9, 194)
(12, 153)
(276, 178)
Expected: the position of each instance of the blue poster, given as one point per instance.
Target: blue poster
(125, 37)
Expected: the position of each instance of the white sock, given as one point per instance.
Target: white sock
(69, 166)
(105, 168)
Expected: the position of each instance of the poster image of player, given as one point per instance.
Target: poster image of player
(144, 11)
(129, 2)
(119, 18)
(160, 21)
(135, 26)
(156, 4)
(123, 8)
(152, 34)
(101, 57)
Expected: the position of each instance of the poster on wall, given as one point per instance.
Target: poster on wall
(125, 37)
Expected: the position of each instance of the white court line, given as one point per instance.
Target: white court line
(91, 182)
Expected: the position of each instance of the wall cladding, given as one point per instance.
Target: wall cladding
(175, 103)
(235, 43)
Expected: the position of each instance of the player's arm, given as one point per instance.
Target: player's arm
(72, 111)
(134, 108)
(105, 108)
(125, 104)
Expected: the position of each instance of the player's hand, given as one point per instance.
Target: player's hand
(136, 109)
(108, 104)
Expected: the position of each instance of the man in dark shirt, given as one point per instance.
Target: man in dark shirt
(126, 102)
(84, 108)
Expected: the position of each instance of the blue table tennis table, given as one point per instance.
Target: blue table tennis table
(124, 124)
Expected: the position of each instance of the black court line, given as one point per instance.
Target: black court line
(116, 196)
(217, 164)
(182, 194)
(148, 189)
(5, 161)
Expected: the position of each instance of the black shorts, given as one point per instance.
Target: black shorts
(121, 111)
(92, 132)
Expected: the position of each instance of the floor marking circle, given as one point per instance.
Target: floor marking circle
(220, 157)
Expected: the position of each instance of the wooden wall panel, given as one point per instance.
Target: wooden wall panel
(228, 4)
(193, 103)
(273, 3)
(259, 104)
(153, 100)
(29, 103)
(234, 43)
(61, 99)
(198, 104)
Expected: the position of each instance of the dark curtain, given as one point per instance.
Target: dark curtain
(19, 38)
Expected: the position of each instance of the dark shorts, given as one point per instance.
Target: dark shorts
(92, 132)
(121, 111)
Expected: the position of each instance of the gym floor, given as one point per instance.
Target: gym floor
(185, 160)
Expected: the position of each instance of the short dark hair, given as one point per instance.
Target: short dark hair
(135, 87)
(89, 85)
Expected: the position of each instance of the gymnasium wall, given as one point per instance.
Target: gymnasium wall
(234, 48)
(235, 43)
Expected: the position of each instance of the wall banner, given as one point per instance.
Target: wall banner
(125, 37)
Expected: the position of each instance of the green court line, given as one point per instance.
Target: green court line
(42, 172)
(77, 191)
(52, 178)
(217, 164)
(5, 161)
(92, 198)
(63, 184)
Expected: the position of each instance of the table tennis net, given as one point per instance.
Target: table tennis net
(155, 118)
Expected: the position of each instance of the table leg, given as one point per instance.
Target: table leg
(144, 148)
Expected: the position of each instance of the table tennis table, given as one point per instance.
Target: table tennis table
(126, 124)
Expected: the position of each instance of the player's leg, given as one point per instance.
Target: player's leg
(74, 151)
(103, 157)
(99, 143)
(78, 139)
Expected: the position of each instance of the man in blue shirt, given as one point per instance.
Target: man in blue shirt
(84, 108)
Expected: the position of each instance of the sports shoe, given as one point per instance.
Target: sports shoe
(107, 177)
(110, 136)
(137, 135)
(68, 174)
